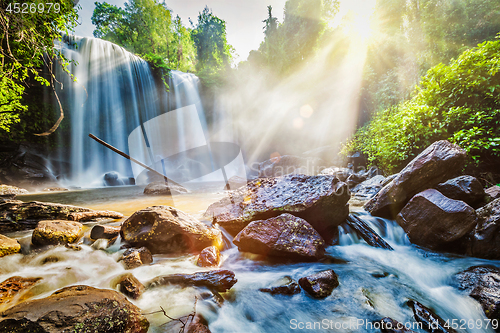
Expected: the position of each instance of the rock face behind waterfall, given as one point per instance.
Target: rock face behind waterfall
(432, 220)
(75, 309)
(320, 200)
(164, 229)
(439, 162)
(283, 236)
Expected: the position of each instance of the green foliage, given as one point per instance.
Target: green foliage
(213, 52)
(146, 27)
(26, 46)
(159, 67)
(459, 102)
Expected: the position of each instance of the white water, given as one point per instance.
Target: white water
(115, 93)
(374, 283)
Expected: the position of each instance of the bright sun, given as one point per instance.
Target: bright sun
(355, 17)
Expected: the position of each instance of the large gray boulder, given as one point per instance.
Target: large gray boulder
(320, 200)
(434, 221)
(75, 309)
(164, 229)
(465, 188)
(439, 162)
(284, 236)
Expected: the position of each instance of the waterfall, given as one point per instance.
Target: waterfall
(114, 94)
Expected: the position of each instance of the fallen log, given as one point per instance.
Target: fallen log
(86, 216)
(367, 233)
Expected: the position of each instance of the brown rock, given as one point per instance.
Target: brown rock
(130, 286)
(432, 220)
(390, 325)
(485, 239)
(493, 192)
(75, 309)
(164, 229)
(8, 246)
(133, 258)
(104, 231)
(439, 162)
(320, 285)
(218, 280)
(160, 188)
(17, 215)
(285, 236)
(320, 200)
(57, 232)
(210, 256)
(465, 188)
(15, 289)
(198, 325)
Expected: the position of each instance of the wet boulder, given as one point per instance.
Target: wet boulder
(320, 200)
(389, 325)
(483, 284)
(75, 309)
(218, 280)
(368, 189)
(164, 229)
(434, 221)
(57, 232)
(320, 285)
(133, 258)
(15, 289)
(493, 192)
(8, 246)
(286, 286)
(355, 179)
(439, 162)
(465, 188)
(129, 286)
(18, 215)
(209, 256)
(162, 188)
(288, 164)
(198, 325)
(429, 319)
(485, 239)
(284, 236)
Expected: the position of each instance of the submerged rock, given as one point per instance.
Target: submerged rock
(57, 232)
(8, 246)
(210, 256)
(434, 221)
(320, 285)
(320, 200)
(129, 286)
(485, 239)
(429, 319)
(439, 162)
(133, 258)
(465, 188)
(75, 309)
(198, 325)
(104, 231)
(164, 229)
(284, 236)
(15, 288)
(287, 287)
(218, 280)
(483, 284)
(161, 188)
(390, 325)
(17, 215)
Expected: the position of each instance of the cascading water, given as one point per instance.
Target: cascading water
(114, 93)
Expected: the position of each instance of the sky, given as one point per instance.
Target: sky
(243, 18)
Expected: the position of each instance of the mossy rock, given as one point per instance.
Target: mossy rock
(57, 232)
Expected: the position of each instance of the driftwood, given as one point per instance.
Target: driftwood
(367, 233)
(85, 216)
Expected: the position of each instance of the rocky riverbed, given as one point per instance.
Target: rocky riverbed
(279, 254)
